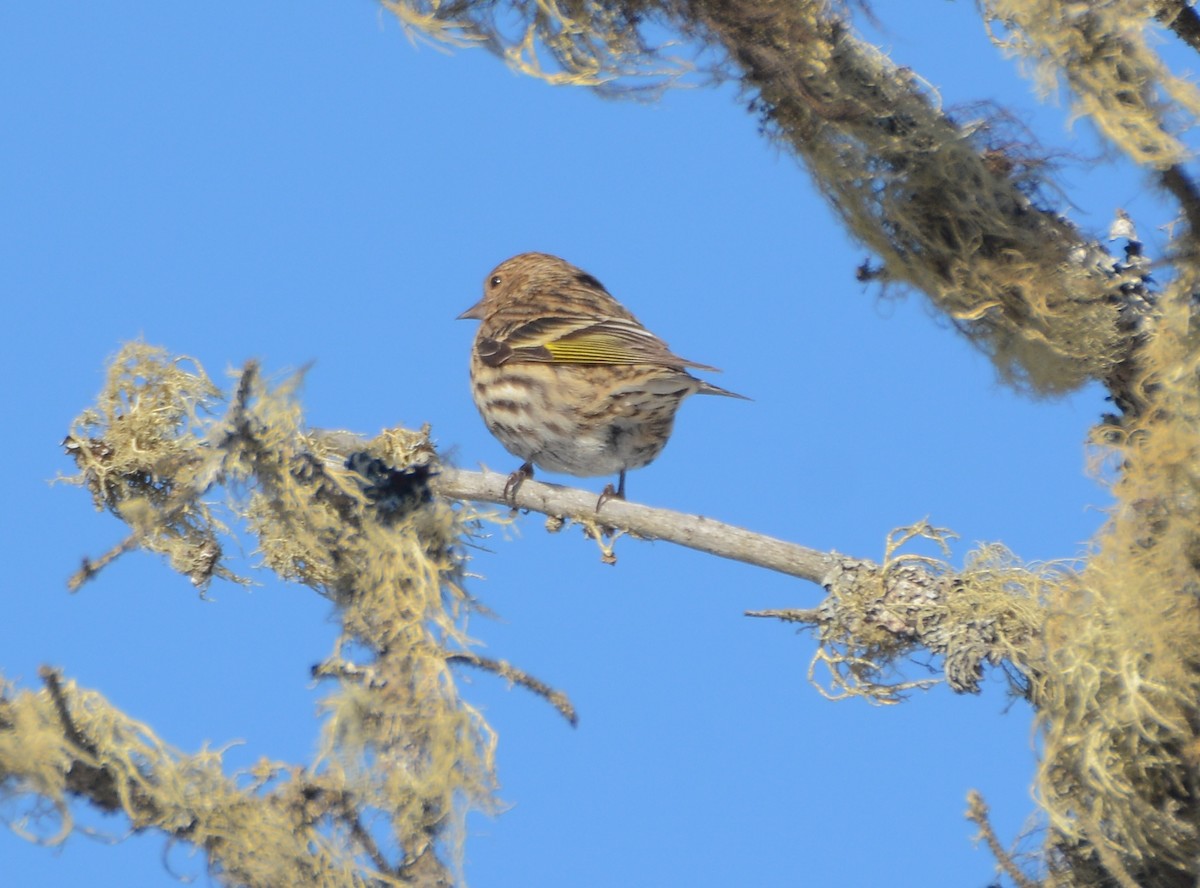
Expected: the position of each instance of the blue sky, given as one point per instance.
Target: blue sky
(300, 183)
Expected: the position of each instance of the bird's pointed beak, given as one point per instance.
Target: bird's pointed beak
(474, 313)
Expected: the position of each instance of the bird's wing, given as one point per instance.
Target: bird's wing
(588, 340)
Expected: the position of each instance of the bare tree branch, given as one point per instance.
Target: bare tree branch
(873, 614)
(693, 531)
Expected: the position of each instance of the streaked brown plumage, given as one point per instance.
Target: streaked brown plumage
(567, 379)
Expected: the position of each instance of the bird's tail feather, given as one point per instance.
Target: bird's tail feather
(707, 388)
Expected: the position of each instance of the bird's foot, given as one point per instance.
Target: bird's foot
(610, 493)
(514, 482)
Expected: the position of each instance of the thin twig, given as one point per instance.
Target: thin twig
(91, 567)
(53, 682)
(693, 531)
(977, 813)
(557, 699)
(790, 615)
(83, 777)
(350, 816)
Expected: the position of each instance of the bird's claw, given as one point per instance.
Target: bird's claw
(609, 493)
(514, 482)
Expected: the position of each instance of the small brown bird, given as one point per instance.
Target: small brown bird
(567, 379)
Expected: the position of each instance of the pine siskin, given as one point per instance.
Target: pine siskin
(567, 379)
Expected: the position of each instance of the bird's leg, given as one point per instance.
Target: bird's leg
(608, 492)
(514, 482)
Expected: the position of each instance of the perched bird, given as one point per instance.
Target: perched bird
(567, 379)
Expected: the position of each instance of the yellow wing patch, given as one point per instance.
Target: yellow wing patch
(593, 348)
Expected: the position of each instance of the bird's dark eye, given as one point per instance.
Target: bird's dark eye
(495, 281)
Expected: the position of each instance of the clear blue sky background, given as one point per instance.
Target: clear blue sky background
(297, 182)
